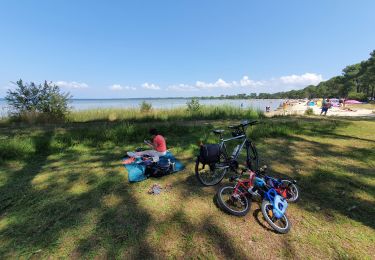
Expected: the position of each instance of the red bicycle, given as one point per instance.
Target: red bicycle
(235, 199)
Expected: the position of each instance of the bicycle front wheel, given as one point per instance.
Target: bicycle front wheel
(281, 225)
(210, 175)
(231, 202)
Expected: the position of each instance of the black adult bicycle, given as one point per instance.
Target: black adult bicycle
(213, 161)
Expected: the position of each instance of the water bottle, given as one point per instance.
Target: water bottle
(235, 151)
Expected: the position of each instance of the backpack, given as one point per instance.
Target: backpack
(160, 168)
(209, 153)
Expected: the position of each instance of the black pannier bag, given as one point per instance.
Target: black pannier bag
(209, 153)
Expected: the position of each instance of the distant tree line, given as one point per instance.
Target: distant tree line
(356, 82)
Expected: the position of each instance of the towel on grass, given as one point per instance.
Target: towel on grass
(136, 167)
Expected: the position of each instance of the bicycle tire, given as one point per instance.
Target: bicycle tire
(209, 175)
(224, 205)
(267, 206)
(292, 191)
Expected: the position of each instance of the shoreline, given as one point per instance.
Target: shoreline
(299, 107)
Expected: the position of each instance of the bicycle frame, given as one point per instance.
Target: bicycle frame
(264, 188)
(223, 147)
(273, 183)
(246, 184)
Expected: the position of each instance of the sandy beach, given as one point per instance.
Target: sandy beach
(298, 107)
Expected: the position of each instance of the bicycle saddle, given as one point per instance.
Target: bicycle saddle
(218, 131)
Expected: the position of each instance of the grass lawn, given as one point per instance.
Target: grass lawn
(64, 193)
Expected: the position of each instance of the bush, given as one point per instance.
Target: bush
(145, 107)
(193, 105)
(38, 101)
(358, 96)
(309, 111)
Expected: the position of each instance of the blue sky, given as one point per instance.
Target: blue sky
(122, 49)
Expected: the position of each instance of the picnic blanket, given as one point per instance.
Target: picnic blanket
(136, 169)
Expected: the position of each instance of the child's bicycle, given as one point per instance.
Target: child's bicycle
(286, 188)
(236, 199)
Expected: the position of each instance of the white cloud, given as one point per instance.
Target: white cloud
(220, 83)
(243, 85)
(270, 85)
(304, 79)
(182, 87)
(72, 84)
(150, 86)
(118, 87)
(246, 82)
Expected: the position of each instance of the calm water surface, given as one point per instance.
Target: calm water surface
(82, 104)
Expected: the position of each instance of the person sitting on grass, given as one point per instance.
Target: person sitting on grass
(158, 144)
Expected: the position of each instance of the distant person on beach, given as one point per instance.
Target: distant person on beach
(325, 106)
(342, 102)
(285, 107)
(158, 144)
(268, 108)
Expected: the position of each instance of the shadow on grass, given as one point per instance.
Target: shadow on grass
(222, 244)
(332, 186)
(39, 217)
(257, 214)
(59, 189)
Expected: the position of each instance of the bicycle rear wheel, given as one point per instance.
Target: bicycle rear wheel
(252, 159)
(291, 191)
(210, 175)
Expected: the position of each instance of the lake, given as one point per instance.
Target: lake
(82, 104)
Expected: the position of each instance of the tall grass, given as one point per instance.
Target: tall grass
(174, 114)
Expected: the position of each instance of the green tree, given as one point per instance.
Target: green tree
(371, 75)
(193, 105)
(145, 107)
(44, 99)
